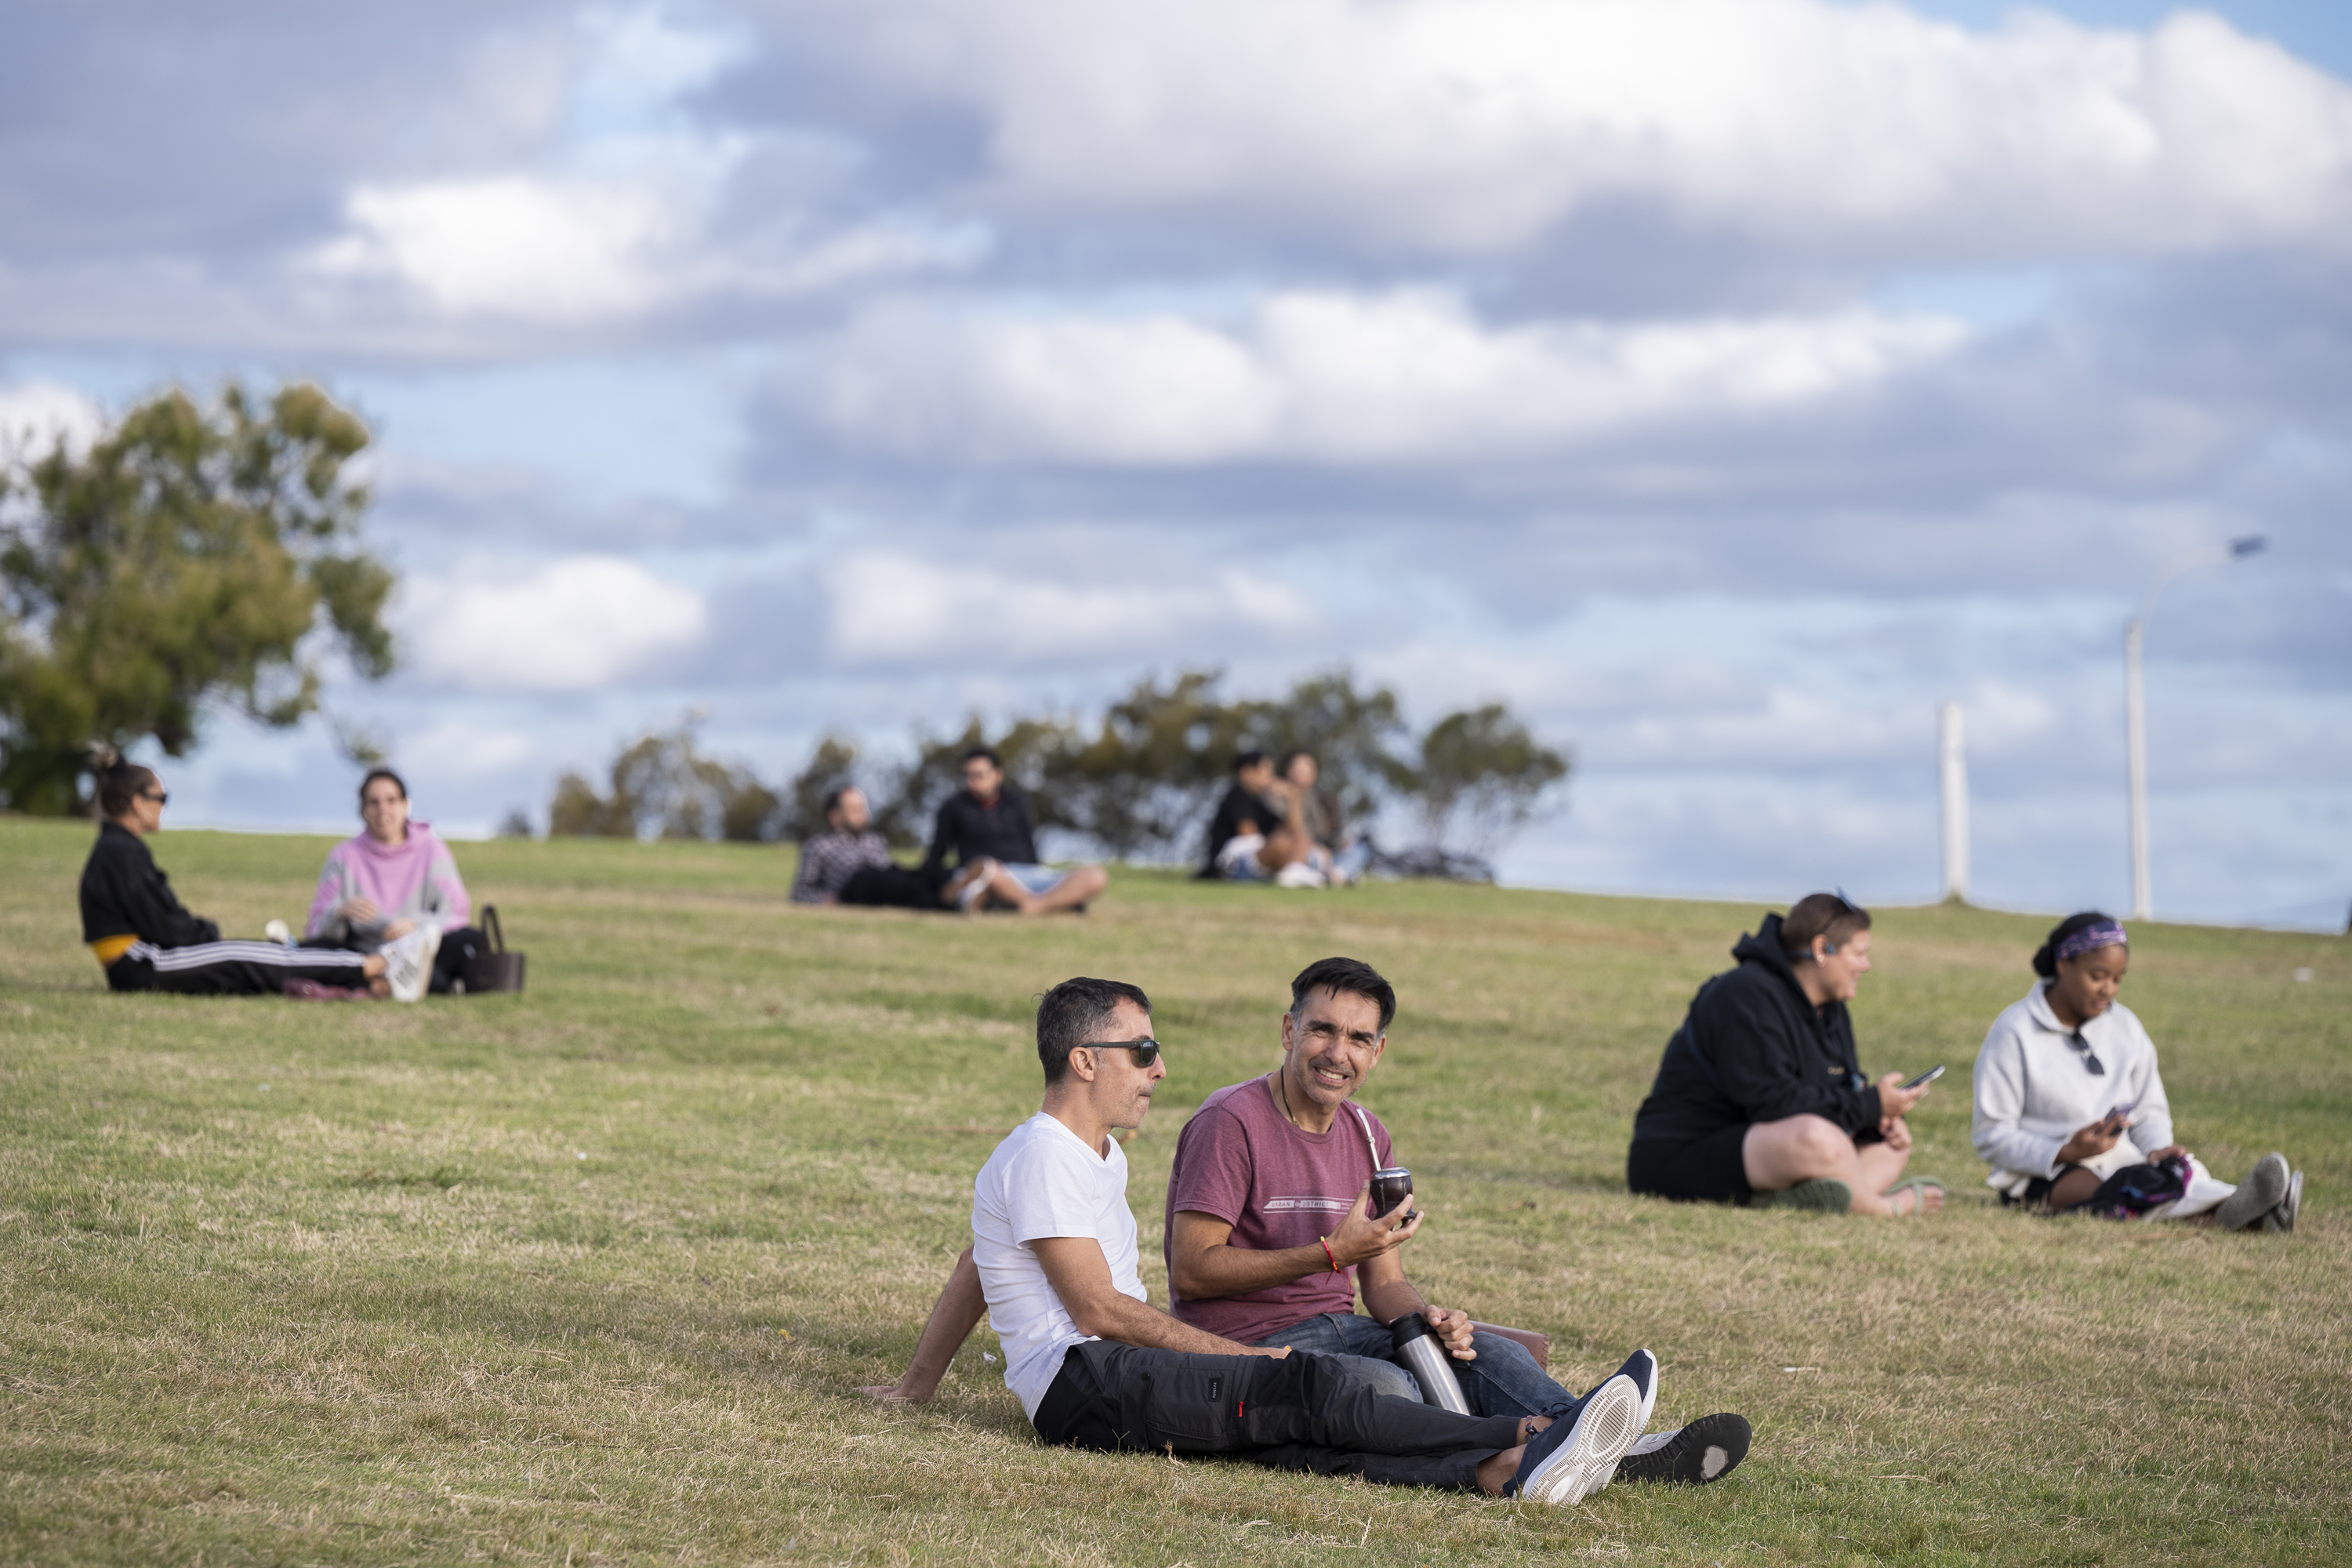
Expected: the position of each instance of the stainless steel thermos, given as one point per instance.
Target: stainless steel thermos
(1423, 1354)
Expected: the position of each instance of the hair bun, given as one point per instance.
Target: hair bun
(102, 755)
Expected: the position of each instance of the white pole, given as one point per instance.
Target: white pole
(1951, 745)
(2136, 739)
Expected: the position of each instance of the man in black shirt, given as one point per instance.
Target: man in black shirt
(988, 819)
(1257, 834)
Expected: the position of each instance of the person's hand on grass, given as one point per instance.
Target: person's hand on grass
(1452, 1327)
(2090, 1142)
(892, 1393)
(1364, 1235)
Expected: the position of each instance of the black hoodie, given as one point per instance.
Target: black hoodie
(1754, 1049)
(125, 893)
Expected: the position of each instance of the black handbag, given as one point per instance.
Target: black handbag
(495, 969)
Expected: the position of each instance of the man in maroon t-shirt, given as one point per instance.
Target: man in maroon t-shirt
(1269, 1236)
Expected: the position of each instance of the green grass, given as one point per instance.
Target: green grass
(591, 1275)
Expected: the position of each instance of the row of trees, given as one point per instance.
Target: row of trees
(191, 555)
(188, 556)
(1137, 782)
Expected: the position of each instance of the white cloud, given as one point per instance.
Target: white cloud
(619, 220)
(888, 606)
(35, 416)
(1407, 376)
(511, 245)
(576, 624)
(1473, 126)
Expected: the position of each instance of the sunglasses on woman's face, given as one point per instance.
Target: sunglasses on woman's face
(161, 797)
(1146, 1049)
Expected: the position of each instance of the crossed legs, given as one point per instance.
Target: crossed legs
(1780, 1154)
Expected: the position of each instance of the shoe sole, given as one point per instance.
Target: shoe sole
(2292, 1204)
(1609, 1423)
(2235, 1215)
(1709, 1449)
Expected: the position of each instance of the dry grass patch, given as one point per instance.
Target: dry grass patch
(288, 1284)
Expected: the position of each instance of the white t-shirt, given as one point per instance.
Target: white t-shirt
(1044, 1180)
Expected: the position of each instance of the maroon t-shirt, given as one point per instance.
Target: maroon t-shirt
(1278, 1185)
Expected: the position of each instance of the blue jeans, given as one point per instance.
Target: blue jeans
(1504, 1381)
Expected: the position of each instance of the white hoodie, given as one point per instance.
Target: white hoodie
(2034, 1091)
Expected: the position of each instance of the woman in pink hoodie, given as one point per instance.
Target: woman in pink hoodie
(395, 878)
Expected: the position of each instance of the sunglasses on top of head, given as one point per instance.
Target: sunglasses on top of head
(1146, 1049)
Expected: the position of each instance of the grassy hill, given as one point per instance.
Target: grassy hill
(591, 1275)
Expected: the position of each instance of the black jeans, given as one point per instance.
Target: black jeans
(1301, 1412)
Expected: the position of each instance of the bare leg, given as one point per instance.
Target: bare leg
(1080, 885)
(1494, 1473)
(954, 1318)
(2074, 1186)
(1780, 1154)
(1282, 847)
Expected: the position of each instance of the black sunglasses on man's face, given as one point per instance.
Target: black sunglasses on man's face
(1146, 1049)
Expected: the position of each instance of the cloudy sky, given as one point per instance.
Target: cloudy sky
(1723, 383)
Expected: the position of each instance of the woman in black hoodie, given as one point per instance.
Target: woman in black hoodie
(1761, 1098)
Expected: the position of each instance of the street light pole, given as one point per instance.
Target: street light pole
(2136, 702)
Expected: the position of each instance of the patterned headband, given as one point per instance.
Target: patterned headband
(2092, 937)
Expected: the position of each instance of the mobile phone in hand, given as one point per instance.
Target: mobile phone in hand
(1924, 1078)
(2120, 1115)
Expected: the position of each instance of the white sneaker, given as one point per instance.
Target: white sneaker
(279, 932)
(408, 962)
(1299, 874)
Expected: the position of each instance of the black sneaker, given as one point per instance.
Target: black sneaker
(1709, 1449)
(1569, 1461)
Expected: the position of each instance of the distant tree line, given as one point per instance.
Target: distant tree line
(1139, 782)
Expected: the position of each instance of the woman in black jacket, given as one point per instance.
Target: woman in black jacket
(147, 941)
(1761, 1098)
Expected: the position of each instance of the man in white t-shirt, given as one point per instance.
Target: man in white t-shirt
(1096, 1366)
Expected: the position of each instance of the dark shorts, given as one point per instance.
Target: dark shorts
(891, 886)
(1708, 1168)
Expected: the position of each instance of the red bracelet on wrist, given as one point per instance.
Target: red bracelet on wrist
(1327, 1252)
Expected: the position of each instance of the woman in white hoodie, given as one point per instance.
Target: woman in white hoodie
(2068, 1094)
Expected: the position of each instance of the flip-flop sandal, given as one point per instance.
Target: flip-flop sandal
(1825, 1194)
(1917, 1187)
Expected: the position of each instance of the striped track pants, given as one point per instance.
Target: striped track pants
(232, 968)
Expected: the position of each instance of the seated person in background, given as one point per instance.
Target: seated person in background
(849, 863)
(1761, 1099)
(1261, 1171)
(148, 941)
(394, 879)
(1343, 856)
(1257, 834)
(988, 819)
(2071, 1111)
(1053, 1256)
